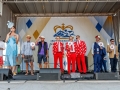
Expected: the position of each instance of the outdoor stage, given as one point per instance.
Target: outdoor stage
(60, 85)
(87, 18)
(49, 79)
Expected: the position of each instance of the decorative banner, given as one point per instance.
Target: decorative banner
(50, 27)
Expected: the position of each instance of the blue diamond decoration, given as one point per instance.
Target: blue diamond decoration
(98, 27)
(29, 23)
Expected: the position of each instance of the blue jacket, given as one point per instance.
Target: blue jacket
(104, 52)
(96, 46)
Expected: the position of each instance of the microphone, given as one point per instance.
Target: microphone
(50, 45)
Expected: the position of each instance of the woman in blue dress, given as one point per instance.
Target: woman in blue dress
(11, 50)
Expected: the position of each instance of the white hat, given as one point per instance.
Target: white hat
(10, 24)
(42, 37)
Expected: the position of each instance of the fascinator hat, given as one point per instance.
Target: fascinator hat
(10, 24)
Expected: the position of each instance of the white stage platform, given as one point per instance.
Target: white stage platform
(59, 85)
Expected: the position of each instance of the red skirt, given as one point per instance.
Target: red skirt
(1, 60)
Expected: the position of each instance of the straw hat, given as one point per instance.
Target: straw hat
(42, 37)
(28, 36)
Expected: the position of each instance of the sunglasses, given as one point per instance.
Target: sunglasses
(112, 41)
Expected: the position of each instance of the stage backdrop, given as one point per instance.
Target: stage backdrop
(86, 27)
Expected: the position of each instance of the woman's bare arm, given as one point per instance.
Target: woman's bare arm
(7, 37)
(17, 38)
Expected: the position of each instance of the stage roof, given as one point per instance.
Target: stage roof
(63, 7)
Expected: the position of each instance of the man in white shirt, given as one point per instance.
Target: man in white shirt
(2, 47)
(97, 53)
(27, 54)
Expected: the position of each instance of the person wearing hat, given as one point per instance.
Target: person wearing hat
(27, 53)
(97, 52)
(2, 47)
(11, 48)
(112, 49)
(42, 51)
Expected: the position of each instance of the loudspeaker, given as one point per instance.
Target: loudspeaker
(7, 73)
(86, 61)
(49, 74)
(107, 76)
(50, 70)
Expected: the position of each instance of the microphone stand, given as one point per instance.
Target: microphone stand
(22, 66)
(48, 56)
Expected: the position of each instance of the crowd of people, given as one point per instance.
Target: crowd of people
(75, 52)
